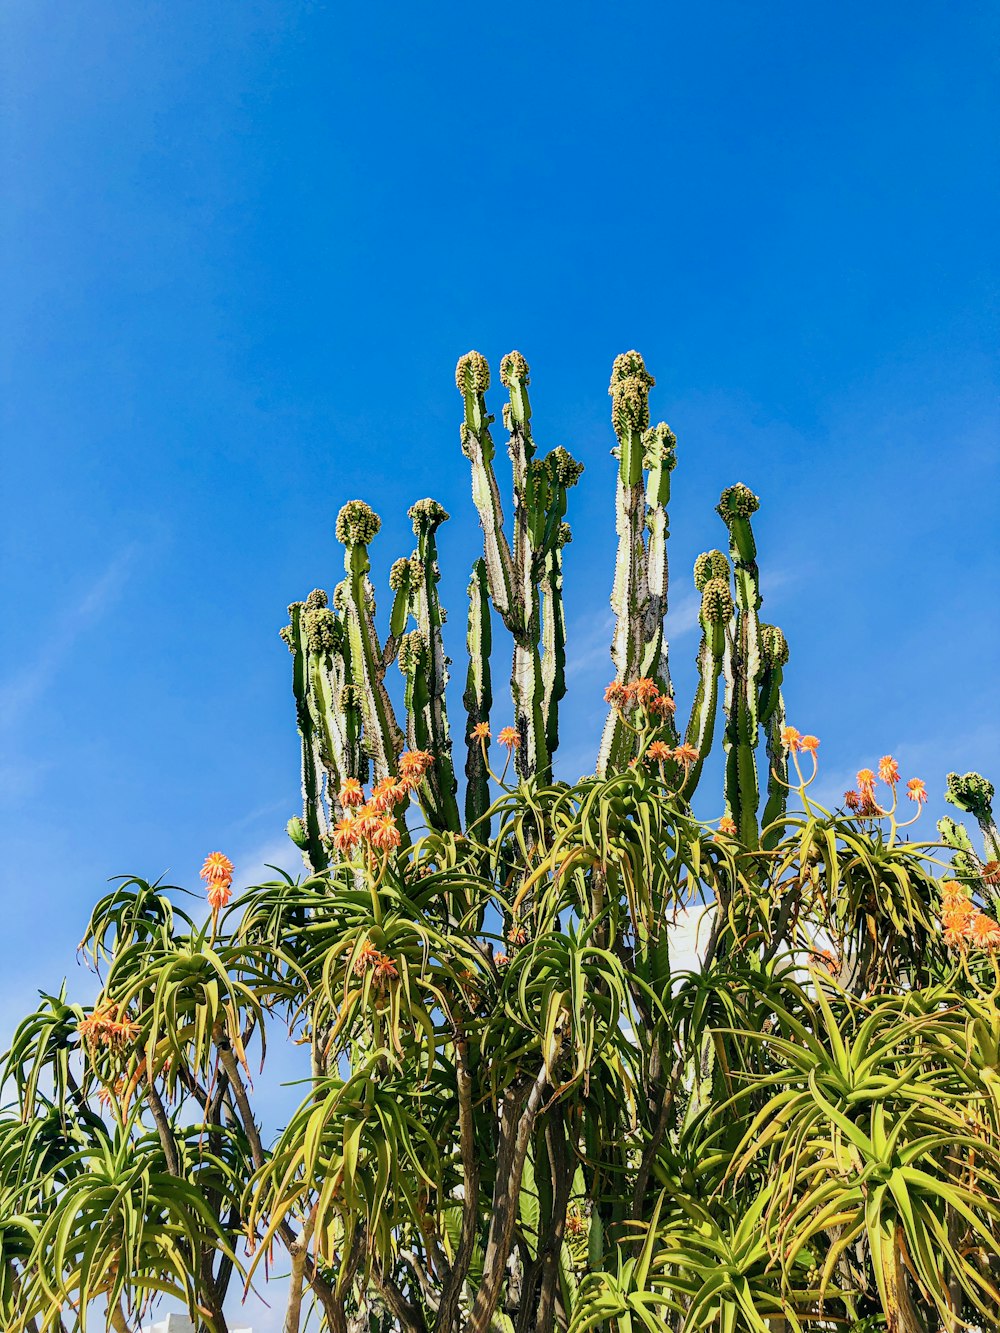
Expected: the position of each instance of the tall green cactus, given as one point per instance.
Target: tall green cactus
(346, 719)
(639, 593)
(973, 793)
(520, 576)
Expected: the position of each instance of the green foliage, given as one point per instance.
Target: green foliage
(526, 1103)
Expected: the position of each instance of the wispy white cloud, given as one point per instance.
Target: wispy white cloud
(21, 690)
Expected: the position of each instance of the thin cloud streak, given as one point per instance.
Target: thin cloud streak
(23, 689)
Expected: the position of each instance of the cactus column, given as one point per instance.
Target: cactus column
(639, 593)
(519, 578)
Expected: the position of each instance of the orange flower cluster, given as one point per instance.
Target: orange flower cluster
(685, 755)
(382, 967)
(370, 821)
(645, 692)
(793, 741)
(104, 1028)
(508, 736)
(517, 935)
(862, 801)
(217, 872)
(963, 923)
(727, 826)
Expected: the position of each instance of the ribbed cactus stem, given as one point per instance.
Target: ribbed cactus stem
(554, 641)
(974, 793)
(771, 711)
(313, 816)
(478, 700)
(659, 459)
(472, 375)
(429, 721)
(716, 614)
(357, 525)
(629, 390)
(744, 666)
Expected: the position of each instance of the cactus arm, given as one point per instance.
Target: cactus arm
(771, 710)
(439, 785)
(742, 788)
(974, 793)
(357, 524)
(472, 375)
(630, 385)
(659, 457)
(554, 643)
(716, 614)
(313, 815)
(478, 700)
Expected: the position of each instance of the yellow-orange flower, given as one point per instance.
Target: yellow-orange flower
(345, 835)
(865, 781)
(991, 872)
(415, 763)
(658, 752)
(852, 799)
(217, 868)
(385, 971)
(517, 935)
(387, 793)
(810, 744)
(888, 770)
(983, 931)
(366, 821)
(368, 956)
(385, 836)
(351, 793)
(791, 739)
(500, 959)
(916, 791)
(686, 754)
(616, 694)
(509, 737)
(645, 690)
(952, 892)
(663, 706)
(958, 915)
(219, 895)
(481, 732)
(727, 826)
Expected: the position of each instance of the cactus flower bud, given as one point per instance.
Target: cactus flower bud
(773, 646)
(426, 515)
(296, 830)
(710, 565)
(357, 524)
(287, 637)
(472, 374)
(412, 648)
(563, 467)
(630, 365)
(320, 628)
(399, 574)
(737, 501)
(659, 447)
(316, 599)
(971, 792)
(565, 535)
(513, 367)
(716, 602)
(630, 405)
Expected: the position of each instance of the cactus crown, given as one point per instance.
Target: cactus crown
(629, 390)
(316, 598)
(512, 367)
(565, 535)
(563, 467)
(659, 447)
(426, 516)
(412, 648)
(737, 501)
(472, 374)
(710, 565)
(320, 627)
(287, 637)
(716, 602)
(773, 646)
(399, 574)
(971, 792)
(357, 524)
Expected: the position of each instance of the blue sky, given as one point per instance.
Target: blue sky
(243, 246)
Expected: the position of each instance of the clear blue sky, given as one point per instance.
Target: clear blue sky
(244, 244)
